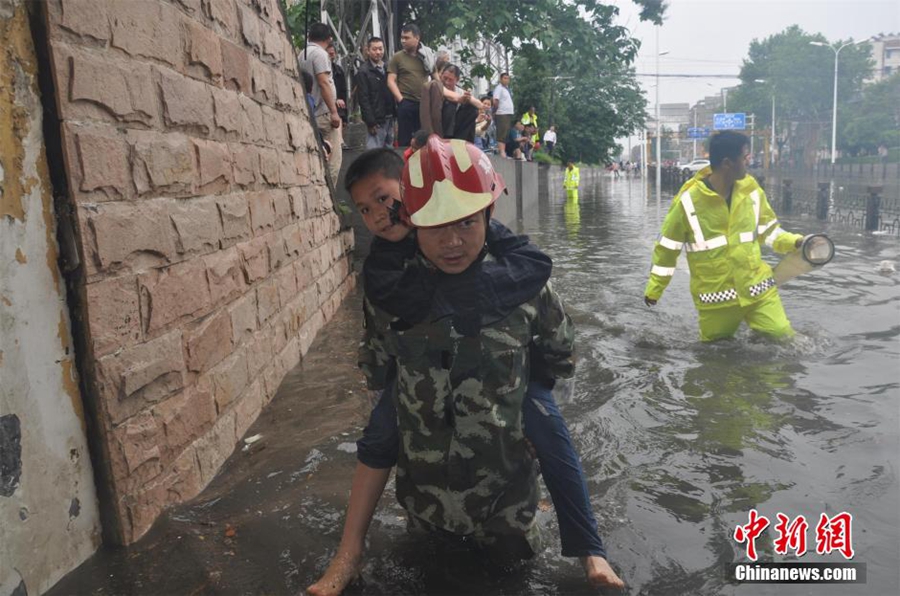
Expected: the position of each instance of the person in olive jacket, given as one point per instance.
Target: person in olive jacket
(375, 100)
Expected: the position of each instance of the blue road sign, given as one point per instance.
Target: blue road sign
(700, 132)
(735, 121)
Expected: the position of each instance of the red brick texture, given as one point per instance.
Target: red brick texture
(212, 254)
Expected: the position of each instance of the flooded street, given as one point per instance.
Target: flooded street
(679, 440)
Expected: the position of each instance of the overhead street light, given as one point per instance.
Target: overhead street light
(834, 104)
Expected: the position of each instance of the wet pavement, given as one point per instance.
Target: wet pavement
(679, 440)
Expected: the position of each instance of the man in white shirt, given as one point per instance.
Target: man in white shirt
(504, 110)
(314, 59)
(550, 139)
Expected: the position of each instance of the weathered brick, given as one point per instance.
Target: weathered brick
(293, 240)
(102, 88)
(224, 13)
(185, 416)
(146, 30)
(270, 165)
(136, 443)
(207, 342)
(139, 375)
(192, 7)
(267, 301)
(181, 481)
(243, 319)
(281, 202)
(276, 131)
(296, 131)
(85, 17)
(301, 161)
(186, 103)
(254, 259)
(197, 225)
(203, 51)
(235, 218)
(262, 81)
(252, 128)
(250, 27)
(173, 293)
(114, 316)
(213, 161)
(290, 58)
(272, 45)
(247, 409)
(287, 169)
(103, 161)
(215, 447)
(236, 67)
(246, 164)
(270, 13)
(229, 378)
(273, 375)
(287, 284)
(125, 231)
(162, 163)
(262, 212)
(258, 348)
(227, 110)
(277, 251)
(304, 271)
(298, 202)
(224, 274)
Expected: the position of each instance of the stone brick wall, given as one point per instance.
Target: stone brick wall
(211, 253)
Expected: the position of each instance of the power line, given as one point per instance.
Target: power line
(688, 76)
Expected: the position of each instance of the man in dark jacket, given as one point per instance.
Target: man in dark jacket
(375, 100)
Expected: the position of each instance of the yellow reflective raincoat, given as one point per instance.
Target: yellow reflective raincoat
(723, 253)
(572, 179)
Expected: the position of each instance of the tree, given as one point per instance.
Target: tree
(800, 76)
(875, 119)
(571, 61)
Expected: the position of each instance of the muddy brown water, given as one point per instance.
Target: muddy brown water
(679, 440)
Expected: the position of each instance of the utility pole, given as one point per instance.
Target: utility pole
(752, 134)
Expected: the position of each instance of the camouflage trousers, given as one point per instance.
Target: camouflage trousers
(504, 546)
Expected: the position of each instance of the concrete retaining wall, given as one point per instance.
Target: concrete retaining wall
(49, 520)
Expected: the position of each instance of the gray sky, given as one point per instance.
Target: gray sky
(713, 36)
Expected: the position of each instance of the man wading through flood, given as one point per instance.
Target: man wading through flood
(722, 218)
(469, 362)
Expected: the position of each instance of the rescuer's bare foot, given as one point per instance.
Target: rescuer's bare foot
(342, 570)
(599, 574)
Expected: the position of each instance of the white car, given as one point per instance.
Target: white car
(694, 166)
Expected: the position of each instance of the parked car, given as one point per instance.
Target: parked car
(693, 167)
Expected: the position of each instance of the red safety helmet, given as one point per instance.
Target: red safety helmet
(446, 181)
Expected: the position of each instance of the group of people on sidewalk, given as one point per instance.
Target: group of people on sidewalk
(465, 337)
(416, 90)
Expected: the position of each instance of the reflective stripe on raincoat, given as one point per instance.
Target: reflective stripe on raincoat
(572, 179)
(722, 245)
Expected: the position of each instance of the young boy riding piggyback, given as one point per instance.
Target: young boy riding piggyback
(464, 339)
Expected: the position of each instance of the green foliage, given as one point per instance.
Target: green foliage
(874, 120)
(542, 157)
(591, 107)
(296, 20)
(799, 75)
(579, 31)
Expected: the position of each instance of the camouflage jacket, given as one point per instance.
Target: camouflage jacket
(463, 465)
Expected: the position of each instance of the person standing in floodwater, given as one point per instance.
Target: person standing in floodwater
(572, 180)
(722, 217)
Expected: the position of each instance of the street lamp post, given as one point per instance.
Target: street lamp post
(834, 104)
(658, 127)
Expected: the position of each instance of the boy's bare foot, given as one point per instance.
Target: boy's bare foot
(599, 574)
(342, 570)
